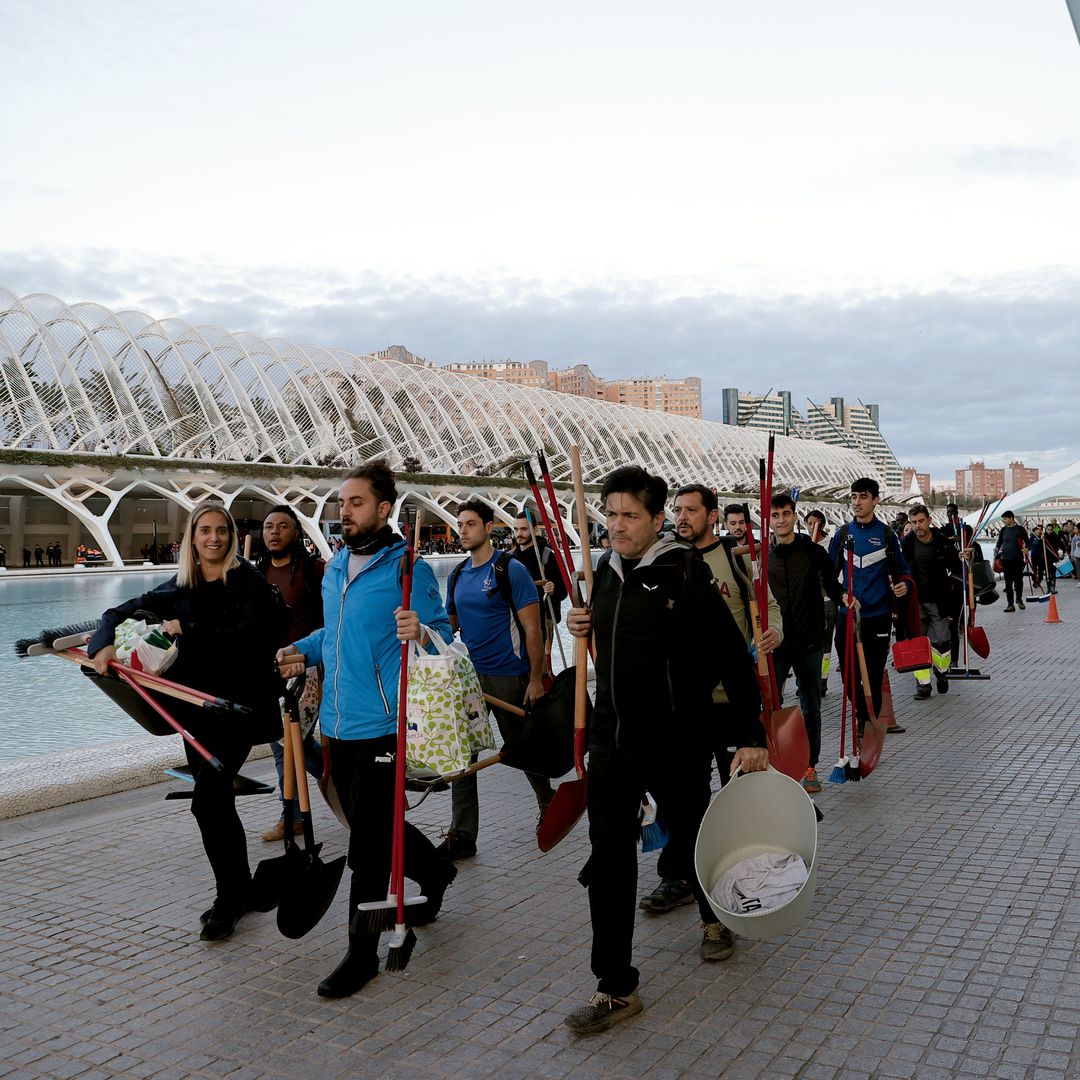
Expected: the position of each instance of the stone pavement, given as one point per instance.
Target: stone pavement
(942, 941)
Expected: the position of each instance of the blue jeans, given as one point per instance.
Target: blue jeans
(312, 762)
(807, 671)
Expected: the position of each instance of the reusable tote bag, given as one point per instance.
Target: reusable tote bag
(446, 716)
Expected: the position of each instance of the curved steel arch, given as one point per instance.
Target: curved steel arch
(206, 394)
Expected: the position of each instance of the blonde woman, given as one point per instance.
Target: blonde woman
(227, 620)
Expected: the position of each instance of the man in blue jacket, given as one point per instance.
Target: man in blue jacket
(360, 650)
(880, 579)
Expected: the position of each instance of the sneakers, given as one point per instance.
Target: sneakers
(717, 941)
(667, 896)
(941, 682)
(1020, 604)
(602, 1012)
(278, 831)
(219, 921)
(1011, 607)
(810, 782)
(456, 846)
(923, 692)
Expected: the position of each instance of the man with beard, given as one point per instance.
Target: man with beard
(935, 566)
(550, 589)
(696, 512)
(286, 564)
(359, 648)
(664, 639)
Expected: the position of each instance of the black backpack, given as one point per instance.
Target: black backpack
(501, 570)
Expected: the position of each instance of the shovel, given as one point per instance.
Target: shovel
(976, 635)
(571, 797)
(301, 884)
(873, 736)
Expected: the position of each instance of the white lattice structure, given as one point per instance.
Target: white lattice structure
(84, 379)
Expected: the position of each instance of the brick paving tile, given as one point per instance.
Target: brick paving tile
(944, 939)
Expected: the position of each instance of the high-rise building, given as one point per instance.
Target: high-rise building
(921, 481)
(679, 396)
(766, 412)
(1018, 476)
(533, 373)
(856, 426)
(979, 482)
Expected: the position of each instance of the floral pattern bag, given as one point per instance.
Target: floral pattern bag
(446, 716)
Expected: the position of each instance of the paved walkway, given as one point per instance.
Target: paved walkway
(943, 939)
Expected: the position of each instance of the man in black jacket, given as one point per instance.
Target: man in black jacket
(798, 571)
(664, 638)
(1009, 548)
(547, 579)
(935, 565)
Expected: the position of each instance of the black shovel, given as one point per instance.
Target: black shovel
(298, 882)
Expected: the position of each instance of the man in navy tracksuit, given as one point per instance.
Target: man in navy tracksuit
(360, 650)
(880, 579)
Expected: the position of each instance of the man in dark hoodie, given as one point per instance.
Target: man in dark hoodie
(1009, 548)
(798, 571)
(664, 638)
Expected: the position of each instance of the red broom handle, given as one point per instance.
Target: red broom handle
(553, 539)
(397, 856)
(125, 676)
(550, 489)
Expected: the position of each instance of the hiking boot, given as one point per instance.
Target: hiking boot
(942, 683)
(717, 941)
(923, 692)
(602, 1012)
(810, 782)
(428, 912)
(1010, 608)
(278, 831)
(219, 921)
(456, 846)
(667, 896)
(1020, 604)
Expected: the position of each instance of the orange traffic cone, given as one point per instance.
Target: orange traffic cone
(1051, 613)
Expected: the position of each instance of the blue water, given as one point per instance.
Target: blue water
(48, 704)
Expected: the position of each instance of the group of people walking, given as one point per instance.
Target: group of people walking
(673, 624)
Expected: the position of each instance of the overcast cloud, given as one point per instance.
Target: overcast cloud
(984, 370)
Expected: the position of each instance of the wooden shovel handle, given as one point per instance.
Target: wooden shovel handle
(498, 703)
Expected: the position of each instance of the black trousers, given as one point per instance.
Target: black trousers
(1014, 579)
(365, 786)
(213, 803)
(680, 785)
(875, 631)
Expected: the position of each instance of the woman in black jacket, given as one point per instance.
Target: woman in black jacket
(227, 620)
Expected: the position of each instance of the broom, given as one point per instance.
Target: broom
(653, 835)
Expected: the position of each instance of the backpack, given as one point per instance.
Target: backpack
(501, 569)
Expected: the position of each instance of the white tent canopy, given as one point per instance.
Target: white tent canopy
(1065, 483)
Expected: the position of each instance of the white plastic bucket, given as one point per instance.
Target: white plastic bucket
(754, 814)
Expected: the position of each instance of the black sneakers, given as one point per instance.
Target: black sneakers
(667, 896)
(456, 846)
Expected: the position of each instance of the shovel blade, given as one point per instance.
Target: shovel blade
(979, 642)
(567, 806)
(789, 747)
(307, 894)
(271, 876)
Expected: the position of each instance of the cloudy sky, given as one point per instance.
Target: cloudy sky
(851, 197)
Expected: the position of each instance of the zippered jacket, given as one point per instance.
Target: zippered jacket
(358, 645)
(797, 574)
(876, 549)
(946, 574)
(664, 639)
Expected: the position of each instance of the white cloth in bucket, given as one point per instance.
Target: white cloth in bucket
(761, 883)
